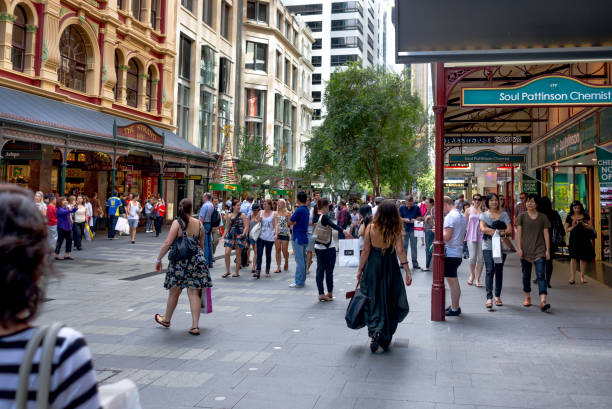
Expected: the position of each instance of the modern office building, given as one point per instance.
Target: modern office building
(344, 31)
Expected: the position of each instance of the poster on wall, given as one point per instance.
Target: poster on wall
(604, 170)
(530, 185)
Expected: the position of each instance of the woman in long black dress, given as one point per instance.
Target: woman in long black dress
(380, 276)
(581, 231)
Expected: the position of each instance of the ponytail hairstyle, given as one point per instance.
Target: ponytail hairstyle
(185, 209)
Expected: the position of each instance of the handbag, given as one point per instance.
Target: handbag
(322, 234)
(255, 231)
(183, 247)
(355, 312)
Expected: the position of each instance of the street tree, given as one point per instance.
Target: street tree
(253, 165)
(370, 129)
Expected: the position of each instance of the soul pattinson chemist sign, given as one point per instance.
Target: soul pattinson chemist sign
(550, 90)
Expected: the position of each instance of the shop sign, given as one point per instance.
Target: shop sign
(279, 192)
(456, 185)
(140, 132)
(487, 140)
(456, 166)
(530, 185)
(195, 177)
(604, 170)
(487, 156)
(220, 187)
(548, 90)
(174, 175)
(22, 155)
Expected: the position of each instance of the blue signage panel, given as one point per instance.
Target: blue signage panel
(549, 90)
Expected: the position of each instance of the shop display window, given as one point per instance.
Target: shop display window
(605, 125)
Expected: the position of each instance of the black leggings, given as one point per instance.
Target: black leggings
(78, 231)
(260, 249)
(159, 220)
(326, 260)
(61, 236)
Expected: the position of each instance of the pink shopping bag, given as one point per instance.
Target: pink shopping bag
(206, 296)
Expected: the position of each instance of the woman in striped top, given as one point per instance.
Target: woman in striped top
(26, 256)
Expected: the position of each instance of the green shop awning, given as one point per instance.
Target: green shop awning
(220, 187)
(280, 192)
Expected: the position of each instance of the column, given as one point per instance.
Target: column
(186, 180)
(437, 287)
(62, 179)
(6, 34)
(50, 48)
(142, 91)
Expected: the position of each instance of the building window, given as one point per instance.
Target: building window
(316, 60)
(318, 44)
(279, 65)
(188, 4)
(294, 78)
(154, 13)
(255, 108)
(136, 9)
(185, 58)
(225, 70)
(347, 7)
(370, 42)
(315, 26)
(316, 79)
(131, 84)
(73, 60)
(316, 96)
(306, 9)
(226, 22)
(18, 49)
(287, 72)
(117, 87)
(370, 58)
(207, 12)
(149, 90)
(295, 38)
(225, 118)
(120, 4)
(256, 56)
(337, 60)
(316, 114)
(257, 11)
(371, 11)
(288, 30)
(349, 24)
(347, 42)
(279, 21)
(207, 67)
(182, 109)
(207, 112)
(371, 26)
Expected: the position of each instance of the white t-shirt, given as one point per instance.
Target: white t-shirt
(374, 209)
(454, 220)
(310, 226)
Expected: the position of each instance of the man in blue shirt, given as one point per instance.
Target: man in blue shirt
(113, 205)
(299, 221)
(410, 213)
(246, 205)
(205, 212)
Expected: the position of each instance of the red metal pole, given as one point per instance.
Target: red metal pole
(437, 287)
(511, 198)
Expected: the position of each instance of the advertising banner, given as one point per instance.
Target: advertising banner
(604, 170)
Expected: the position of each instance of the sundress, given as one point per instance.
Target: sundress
(189, 273)
(283, 226)
(237, 228)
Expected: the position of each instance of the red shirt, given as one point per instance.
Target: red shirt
(160, 209)
(51, 215)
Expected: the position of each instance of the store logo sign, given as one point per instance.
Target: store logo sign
(140, 132)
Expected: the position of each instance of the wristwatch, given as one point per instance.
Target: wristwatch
(157, 261)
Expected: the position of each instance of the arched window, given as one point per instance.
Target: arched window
(117, 78)
(136, 9)
(131, 85)
(19, 39)
(73, 60)
(149, 89)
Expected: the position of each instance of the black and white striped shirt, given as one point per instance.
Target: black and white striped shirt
(73, 380)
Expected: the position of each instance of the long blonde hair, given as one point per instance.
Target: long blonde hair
(388, 222)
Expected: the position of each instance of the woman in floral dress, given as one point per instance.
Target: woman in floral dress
(236, 230)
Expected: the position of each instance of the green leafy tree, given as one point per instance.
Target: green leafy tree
(370, 129)
(253, 164)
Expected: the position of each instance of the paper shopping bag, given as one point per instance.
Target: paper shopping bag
(206, 296)
(497, 248)
(349, 253)
(419, 231)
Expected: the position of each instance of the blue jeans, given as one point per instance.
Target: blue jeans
(112, 223)
(208, 255)
(409, 238)
(429, 239)
(300, 262)
(494, 269)
(540, 269)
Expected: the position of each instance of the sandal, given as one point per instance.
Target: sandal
(527, 302)
(163, 323)
(478, 285)
(470, 282)
(257, 275)
(544, 307)
(572, 282)
(194, 331)
(68, 258)
(277, 272)
(225, 275)
(235, 275)
(489, 304)
(268, 275)
(498, 302)
(58, 258)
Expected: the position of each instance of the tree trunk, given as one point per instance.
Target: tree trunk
(376, 176)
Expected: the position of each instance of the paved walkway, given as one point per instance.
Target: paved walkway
(269, 346)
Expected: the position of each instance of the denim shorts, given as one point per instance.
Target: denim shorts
(252, 242)
(310, 246)
(283, 237)
(133, 222)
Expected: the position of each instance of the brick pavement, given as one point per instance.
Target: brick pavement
(269, 346)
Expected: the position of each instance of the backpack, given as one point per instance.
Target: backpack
(215, 218)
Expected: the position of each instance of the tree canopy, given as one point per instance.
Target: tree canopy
(369, 133)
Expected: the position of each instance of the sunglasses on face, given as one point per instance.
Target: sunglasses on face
(477, 199)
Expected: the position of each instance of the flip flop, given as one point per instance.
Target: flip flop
(499, 303)
(470, 282)
(194, 331)
(479, 285)
(161, 322)
(235, 275)
(225, 275)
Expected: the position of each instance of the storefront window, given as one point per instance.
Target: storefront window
(255, 104)
(225, 118)
(563, 189)
(588, 132)
(605, 125)
(207, 107)
(581, 188)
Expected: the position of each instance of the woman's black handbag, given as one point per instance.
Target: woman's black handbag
(183, 247)
(355, 312)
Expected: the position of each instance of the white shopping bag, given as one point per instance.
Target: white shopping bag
(496, 247)
(120, 395)
(122, 225)
(419, 231)
(349, 253)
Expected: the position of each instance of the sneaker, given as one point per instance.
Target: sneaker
(452, 313)
(294, 285)
(417, 267)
